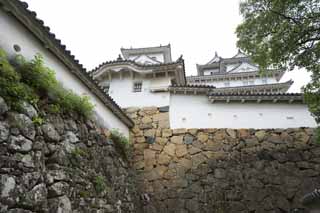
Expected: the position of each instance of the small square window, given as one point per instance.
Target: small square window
(251, 82)
(137, 87)
(245, 83)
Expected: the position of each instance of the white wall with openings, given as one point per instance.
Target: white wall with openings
(121, 90)
(14, 33)
(191, 111)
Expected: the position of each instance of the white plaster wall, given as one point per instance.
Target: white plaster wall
(12, 32)
(121, 90)
(208, 72)
(200, 113)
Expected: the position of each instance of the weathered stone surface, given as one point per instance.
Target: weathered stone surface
(70, 137)
(197, 160)
(260, 135)
(170, 149)
(188, 139)
(232, 133)
(23, 123)
(50, 132)
(177, 139)
(80, 169)
(202, 137)
(58, 189)
(194, 150)
(150, 133)
(3, 106)
(146, 120)
(233, 170)
(60, 204)
(4, 131)
(166, 133)
(181, 150)
(8, 185)
(164, 159)
(29, 110)
(19, 144)
(179, 131)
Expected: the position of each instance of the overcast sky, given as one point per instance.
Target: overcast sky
(95, 30)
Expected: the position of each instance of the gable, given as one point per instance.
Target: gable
(240, 55)
(145, 59)
(244, 67)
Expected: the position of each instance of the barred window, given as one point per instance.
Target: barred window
(137, 87)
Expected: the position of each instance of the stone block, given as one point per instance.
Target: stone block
(161, 117)
(188, 139)
(181, 150)
(164, 159)
(166, 132)
(170, 149)
(179, 131)
(146, 120)
(149, 133)
(177, 139)
(202, 137)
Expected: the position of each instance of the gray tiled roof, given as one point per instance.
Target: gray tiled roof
(166, 50)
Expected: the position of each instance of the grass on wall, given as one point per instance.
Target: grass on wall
(31, 81)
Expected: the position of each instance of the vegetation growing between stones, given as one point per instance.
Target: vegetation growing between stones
(33, 82)
(99, 184)
(121, 143)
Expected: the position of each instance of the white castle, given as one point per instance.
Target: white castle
(226, 93)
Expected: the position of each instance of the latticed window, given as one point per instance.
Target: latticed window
(137, 87)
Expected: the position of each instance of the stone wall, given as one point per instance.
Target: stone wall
(60, 163)
(222, 170)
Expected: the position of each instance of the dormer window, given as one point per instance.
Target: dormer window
(154, 58)
(137, 87)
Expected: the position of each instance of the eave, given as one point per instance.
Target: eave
(256, 97)
(279, 87)
(176, 67)
(226, 76)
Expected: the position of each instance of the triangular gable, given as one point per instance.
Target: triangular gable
(244, 67)
(215, 59)
(240, 55)
(144, 59)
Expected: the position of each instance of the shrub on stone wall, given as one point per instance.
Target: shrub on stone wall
(33, 82)
(120, 141)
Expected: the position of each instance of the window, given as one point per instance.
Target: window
(245, 83)
(227, 84)
(137, 87)
(251, 82)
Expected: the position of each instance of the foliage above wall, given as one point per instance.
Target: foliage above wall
(33, 82)
(284, 34)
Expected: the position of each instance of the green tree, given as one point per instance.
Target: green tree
(284, 34)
